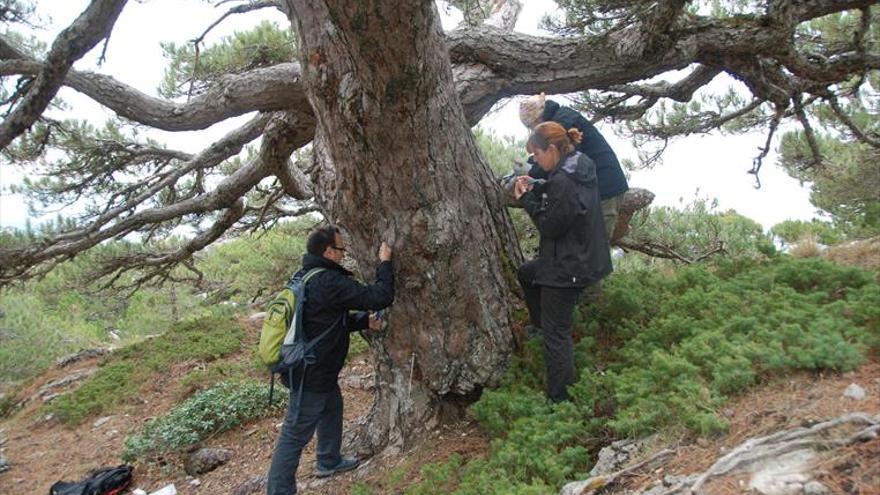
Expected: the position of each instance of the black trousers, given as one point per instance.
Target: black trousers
(318, 411)
(551, 309)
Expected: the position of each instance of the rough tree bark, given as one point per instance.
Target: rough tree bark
(395, 160)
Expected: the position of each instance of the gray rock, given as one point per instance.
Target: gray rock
(575, 487)
(257, 316)
(615, 456)
(166, 490)
(363, 382)
(64, 381)
(815, 488)
(4, 464)
(854, 391)
(204, 460)
(782, 475)
(100, 421)
(84, 354)
(611, 459)
(669, 481)
(672, 479)
(256, 484)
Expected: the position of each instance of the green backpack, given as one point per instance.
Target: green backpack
(279, 320)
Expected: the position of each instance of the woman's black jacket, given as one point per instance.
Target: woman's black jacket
(573, 251)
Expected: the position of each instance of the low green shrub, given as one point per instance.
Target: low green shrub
(214, 373)
(122, 375)
(206, 413)
(665, 350)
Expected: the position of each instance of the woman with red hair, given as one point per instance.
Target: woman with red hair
(573, 249)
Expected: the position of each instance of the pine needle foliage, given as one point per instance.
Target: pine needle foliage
(792, 231)
(265, 45)
(672, 347)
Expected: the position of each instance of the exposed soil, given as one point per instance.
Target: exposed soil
(42, 451)
(790, 402)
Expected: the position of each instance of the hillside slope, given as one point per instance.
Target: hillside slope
(42, 451)
(718, 374)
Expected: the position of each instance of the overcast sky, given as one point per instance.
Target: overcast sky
(712, 166)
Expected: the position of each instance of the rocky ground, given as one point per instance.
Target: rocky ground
(805, 434)
(36, 451)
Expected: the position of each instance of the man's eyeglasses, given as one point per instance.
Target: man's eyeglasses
(341, 250)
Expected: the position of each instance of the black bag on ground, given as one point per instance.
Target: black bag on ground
(109, 481)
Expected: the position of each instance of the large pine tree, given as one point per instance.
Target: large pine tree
(386, 98)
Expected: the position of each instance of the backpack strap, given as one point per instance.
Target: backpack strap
(309, 274)
(306, 276)
(309, 345)
(312, 343)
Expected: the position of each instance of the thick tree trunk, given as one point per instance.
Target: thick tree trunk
(395, 160)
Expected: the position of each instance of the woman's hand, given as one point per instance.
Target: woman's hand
(521, 186)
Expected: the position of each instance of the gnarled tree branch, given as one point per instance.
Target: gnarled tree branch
(21, 263)
(264, 89)
(857, 132)
(681, 91)
(489, 64)
(93, 25)
(160, 265)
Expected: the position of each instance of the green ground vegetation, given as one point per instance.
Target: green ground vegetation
(663, 351)
(120, 378)
(42, 320)
(222, 407)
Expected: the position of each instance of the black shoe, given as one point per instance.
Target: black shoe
(346, 464)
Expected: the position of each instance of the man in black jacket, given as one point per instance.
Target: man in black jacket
(612, 181)
(330, 294)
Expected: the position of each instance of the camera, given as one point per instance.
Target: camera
(537, 182)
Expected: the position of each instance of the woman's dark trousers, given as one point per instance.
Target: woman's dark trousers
(321, 411)
(551, 310)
